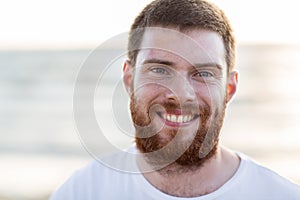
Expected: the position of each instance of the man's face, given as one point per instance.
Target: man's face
(179, 91)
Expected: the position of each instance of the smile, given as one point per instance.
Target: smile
(177, 119)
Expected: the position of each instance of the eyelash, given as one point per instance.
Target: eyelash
(162, 71)
(207, 74)
(159, 70)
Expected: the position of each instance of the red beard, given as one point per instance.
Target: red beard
(161, 152)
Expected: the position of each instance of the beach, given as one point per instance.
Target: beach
(41, 145)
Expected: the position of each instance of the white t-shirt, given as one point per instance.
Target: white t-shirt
(250, 182)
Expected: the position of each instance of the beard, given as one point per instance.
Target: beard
(163, 146)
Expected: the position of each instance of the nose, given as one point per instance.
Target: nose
(181, 90)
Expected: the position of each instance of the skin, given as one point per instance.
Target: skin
(186, 73)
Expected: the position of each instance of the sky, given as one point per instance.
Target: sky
(54, 24)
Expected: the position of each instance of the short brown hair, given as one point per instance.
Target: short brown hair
(184, 15)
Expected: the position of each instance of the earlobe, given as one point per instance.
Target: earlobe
(127, 76)
(232, 85)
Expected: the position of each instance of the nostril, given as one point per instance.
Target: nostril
(171, 97)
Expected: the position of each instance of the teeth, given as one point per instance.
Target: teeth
(165, 116)
(169, 117)
(173, 118)
(185, 119)
(177, 118)
(180, 119)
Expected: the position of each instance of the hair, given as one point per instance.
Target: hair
(184, 15)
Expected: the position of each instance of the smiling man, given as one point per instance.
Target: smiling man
(179, 95)
(180, 77)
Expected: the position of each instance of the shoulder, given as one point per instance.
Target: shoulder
(80, 181)
(266, 181)
(103, 178)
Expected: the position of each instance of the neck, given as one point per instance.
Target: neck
(185, 181)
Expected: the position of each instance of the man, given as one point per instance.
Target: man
(180, 76)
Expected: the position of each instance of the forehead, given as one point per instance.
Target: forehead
(196, 46)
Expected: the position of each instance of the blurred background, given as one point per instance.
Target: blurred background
(43, 45)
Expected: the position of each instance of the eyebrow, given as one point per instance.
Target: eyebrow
(169, 63)
(211, 64)
(158, 61)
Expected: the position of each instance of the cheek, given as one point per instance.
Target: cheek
(212, 94)
(146, 93)
(219, 96)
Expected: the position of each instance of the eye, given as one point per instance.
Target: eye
(204, 74)
(159, 70)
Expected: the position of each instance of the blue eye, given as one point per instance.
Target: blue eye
(204, 74)
(159, 70)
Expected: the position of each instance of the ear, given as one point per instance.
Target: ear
(127, 76)
(232, 85)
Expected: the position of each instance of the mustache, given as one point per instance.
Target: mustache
(169, 106)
